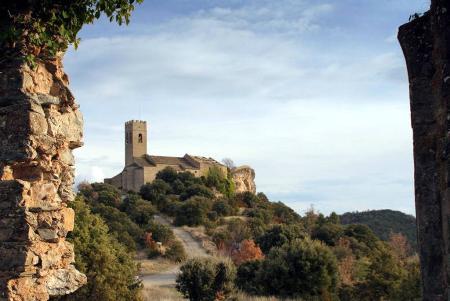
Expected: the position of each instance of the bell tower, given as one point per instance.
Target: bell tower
(135, 140)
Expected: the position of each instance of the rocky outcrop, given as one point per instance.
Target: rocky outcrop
(244, 179)
(426, 45)
(40, 125)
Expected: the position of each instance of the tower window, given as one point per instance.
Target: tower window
(127, 138)
(140, 138)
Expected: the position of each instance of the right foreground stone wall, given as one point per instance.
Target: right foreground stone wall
(425, 43)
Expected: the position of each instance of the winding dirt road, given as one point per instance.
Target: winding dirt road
(193, 249)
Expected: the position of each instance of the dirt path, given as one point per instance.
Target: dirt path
(193, 249)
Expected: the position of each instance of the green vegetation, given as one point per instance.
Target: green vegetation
(206, 279)
(314, 257)
(109, 266)
(385, 222)
(43, 28)
(303, 268)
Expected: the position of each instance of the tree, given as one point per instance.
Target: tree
(206, 279)
(303, 268)
(222, 208)
(168, 175)
(140, 211)
(247, 277)
(399, 245)
(193, 212)
(229, 163)
(329, 233)
(279, 235)
(110, 268)
(43, 28)
(247, 251)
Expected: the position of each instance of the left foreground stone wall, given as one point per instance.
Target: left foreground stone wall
(40, 125)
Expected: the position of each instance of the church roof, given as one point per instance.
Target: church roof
(186, 162)
(150, 161)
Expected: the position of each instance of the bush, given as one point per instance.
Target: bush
(247, 278)
(168, 175)
(247, 251)
(303, 268)
(120, 225)
(176, 252)
(249, 200)
(222, 208)
(328, 233)
(206, 279)
(161, 233)
(192, 212)
(197, 190)
(152, 192)
(212, 216)
(140, 211)
(217, 179)
(109, 266)
(279, 235)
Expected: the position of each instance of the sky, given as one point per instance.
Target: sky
(312, 94)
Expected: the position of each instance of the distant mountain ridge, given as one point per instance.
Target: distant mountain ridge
(384, 222)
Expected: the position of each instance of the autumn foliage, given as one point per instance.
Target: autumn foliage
(248, 250)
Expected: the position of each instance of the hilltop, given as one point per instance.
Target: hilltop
(384, 222)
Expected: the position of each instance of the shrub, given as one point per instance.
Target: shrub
(152, 192)
(140, 211)
(247, 251)
(328, 233)
(303, 268)
(247, 277)
(192, 212)
(248, 199)
(212, 216)
(279, 235)
(176, 252)
(197, 190)
(161, 233)
(284, 214)
(222, 208)
(217, 179)
(110, 268)
(168, 175)
(120, 224)
(206, 279)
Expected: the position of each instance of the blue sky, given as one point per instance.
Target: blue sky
(312, 94)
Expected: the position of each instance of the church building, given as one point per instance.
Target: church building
(141, 168)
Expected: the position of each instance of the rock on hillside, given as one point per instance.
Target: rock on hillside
(244, 178)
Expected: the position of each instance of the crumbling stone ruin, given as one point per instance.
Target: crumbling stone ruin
(426, 45)
(40, 125)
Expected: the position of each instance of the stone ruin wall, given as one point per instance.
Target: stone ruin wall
(40, 125)
(426, 45)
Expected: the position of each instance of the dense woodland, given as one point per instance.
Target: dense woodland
(385, 222)
(314, 257)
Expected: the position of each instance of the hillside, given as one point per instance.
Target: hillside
(383, 222)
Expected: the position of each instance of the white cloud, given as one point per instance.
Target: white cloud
(324, 125)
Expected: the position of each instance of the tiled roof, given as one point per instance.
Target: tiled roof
(186, 162)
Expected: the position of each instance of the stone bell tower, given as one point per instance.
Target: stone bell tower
(135, 140)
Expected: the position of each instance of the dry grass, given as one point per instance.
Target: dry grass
(161, 294)
(199, 234)
(244, 297)
(154, 266)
